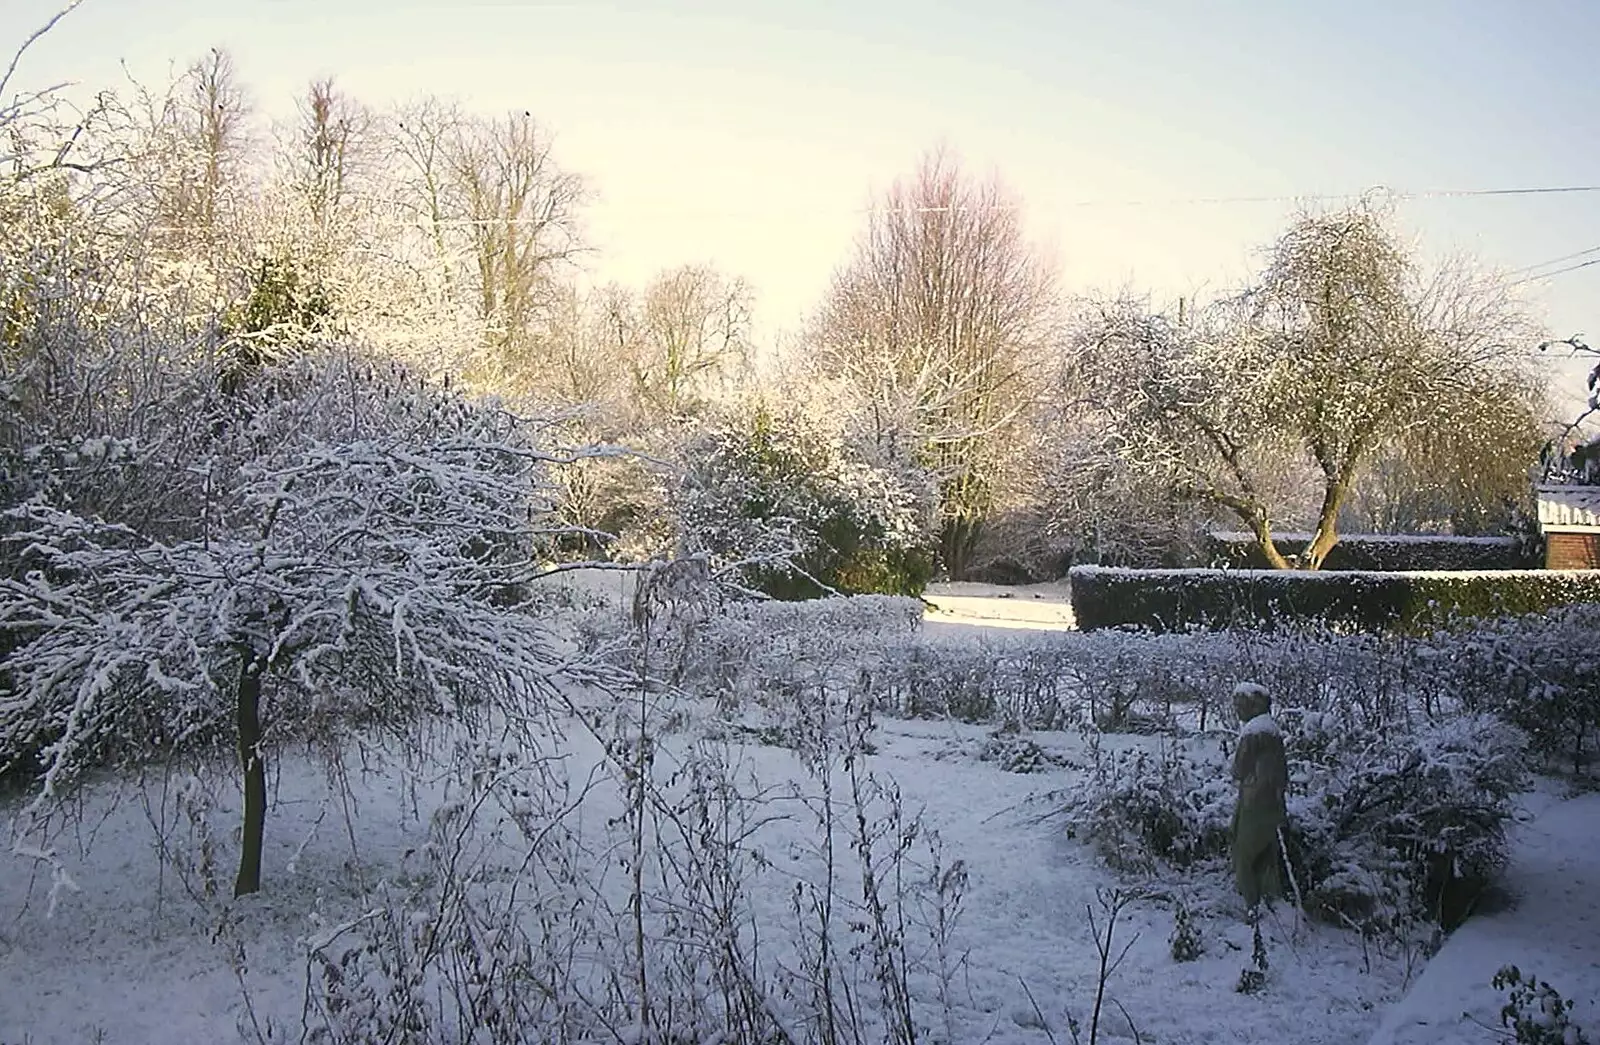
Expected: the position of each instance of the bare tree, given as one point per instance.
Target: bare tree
(213, 116)
(419, 135)
(687, 335)
(331, 138)
(501, 217)
(520, 213)
(1341, 350)
(937, 323)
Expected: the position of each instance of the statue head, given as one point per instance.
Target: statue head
(1250, 700)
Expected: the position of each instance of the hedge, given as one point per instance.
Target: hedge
(1383, 552)
(1175, 600)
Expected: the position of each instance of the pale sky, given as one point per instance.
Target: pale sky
(750, 133)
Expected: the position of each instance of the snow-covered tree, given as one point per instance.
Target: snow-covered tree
(1341, 349)
(333, 547)
(938, 323)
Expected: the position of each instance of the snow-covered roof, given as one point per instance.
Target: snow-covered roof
(1569, 508)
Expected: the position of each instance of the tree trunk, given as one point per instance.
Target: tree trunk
(1263, 535)
(1327, 534)
(957, 542)
(1254, 516)
(248, 720)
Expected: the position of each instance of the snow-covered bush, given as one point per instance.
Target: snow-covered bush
(1540, 673)
(1185, 944)
(799, 513)
(1141, 812)
(1404, 825)
(1385, 826)
(1014, 751)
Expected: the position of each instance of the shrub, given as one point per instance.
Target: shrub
(799, 514)
(1185, 942)
(1384, 828)
(1535, 1012)
(1407, 825)
(1141, 812)
(1014, 752)
(1174, 600)
(1538, 672)
(1382, 552)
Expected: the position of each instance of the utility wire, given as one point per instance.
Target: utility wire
(1558, 272)
(1554, 261)
(1380, 191)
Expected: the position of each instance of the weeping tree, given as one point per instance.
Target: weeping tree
(354, 557)
(1341, 351)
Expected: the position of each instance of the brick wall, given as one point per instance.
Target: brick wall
(1572, 551)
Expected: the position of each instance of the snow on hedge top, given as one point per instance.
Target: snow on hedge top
(1240, 537)
(1210, 573)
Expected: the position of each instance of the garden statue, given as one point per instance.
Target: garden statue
(1262, 772)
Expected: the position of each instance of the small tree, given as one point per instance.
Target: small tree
(355, 561)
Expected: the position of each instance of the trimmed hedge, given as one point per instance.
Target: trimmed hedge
(1176, 600)
(1382, 552)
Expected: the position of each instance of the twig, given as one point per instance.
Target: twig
(1043, 1023)
(5, 80)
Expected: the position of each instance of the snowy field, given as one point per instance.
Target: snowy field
(999, 917)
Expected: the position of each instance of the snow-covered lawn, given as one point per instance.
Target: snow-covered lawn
(113, 964)
(1034, 607)
(135, 951)
(1552, 931)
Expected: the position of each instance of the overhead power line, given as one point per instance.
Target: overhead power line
(1558, 272)
(1554, 261)
(1379, 192)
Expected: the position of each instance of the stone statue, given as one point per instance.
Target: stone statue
(1262, 772)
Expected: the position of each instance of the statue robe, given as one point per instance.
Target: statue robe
(1262, 772)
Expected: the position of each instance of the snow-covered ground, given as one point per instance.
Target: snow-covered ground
(1034, 607)
(113, 965)
(127, 956)
(1551, 931)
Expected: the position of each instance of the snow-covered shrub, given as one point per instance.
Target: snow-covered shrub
(1535, 1012)
(1185, 943)
(1385, 826)
(1400, 825)
(798, 512)
(1143, 811)
(1015, 752)
(1539, 672)
(751, 654)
